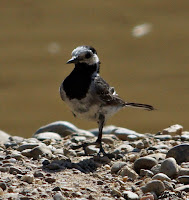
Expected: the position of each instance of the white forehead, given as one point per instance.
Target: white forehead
(79, 50)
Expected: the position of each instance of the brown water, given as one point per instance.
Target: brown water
(36, 40)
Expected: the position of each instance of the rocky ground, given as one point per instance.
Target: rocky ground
(138, 166)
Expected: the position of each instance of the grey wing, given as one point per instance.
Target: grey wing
(106, 93)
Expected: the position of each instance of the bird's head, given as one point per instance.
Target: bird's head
(84, 54)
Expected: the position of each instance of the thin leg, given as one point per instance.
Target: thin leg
(99, 139)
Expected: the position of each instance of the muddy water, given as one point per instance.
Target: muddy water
(37, 37)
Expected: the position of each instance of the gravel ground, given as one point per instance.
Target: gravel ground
(138, 166)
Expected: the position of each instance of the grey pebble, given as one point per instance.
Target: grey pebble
(58, 196)
(146, 172)
(163, 137)
(117, 166)
(63, 128)
(123, 148)
(91, 149)
(106, 130)
(144, 163)
(156, 169)
(78, 139)
(156, 186)
(161, 177)
(127, 134)
(183, 179)
(48, 136)
(130, 195)
(180, 153)
(184, 137)
(169, 167)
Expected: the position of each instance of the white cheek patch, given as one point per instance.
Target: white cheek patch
(91, 61)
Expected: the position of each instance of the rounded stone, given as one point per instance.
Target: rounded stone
(156, 186)
(130, 195)
(169, 167)
(63, 128)
(48, 136)
(180, 153)
(161, 177)
(144, 163)
(117, 166)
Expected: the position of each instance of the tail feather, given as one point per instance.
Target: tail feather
(139, 105)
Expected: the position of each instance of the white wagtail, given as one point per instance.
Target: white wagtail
(88, 95)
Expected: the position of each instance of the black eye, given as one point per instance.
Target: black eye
(88, 55)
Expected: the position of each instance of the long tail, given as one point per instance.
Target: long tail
(139, 105)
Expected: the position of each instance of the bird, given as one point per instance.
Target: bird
(88, 95)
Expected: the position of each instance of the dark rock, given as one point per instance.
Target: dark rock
(180, 153)
(144, 163)
(169, 167)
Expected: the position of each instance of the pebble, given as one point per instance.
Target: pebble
(173, 130)
(169, 167)
(4, 137)
(58, 196)
(183, 179)
(48, 136)
(3, 185)
(144, 163)
(12, 170)
(163, 137)
(41, 150)
(28, 178)
(127, 171)
(63, 128)
(123, 148)
(182, 188)
(117, 166)
(145, 172)
(106, 130)
(91, 150)
(156, 186)
(130, 195)
(27, 146)
(50, 179)
(156, 169)
(161, 177)
(31, 165)
(180, 153)
(123, 133)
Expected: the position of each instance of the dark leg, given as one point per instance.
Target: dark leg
(99, 139)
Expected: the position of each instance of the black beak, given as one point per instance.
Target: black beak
(72, 60)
